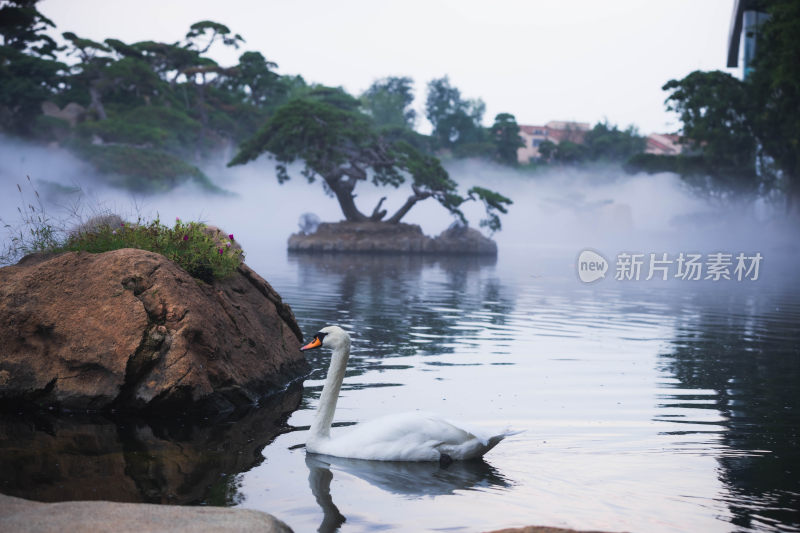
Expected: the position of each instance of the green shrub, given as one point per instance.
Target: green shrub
(203, 251)
(485, 150)
(685, 165)
(188, 244)
(165, 128)
(114, 130)
(50, 129)
(140, 169)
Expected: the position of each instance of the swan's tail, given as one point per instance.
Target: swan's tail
(494, 441)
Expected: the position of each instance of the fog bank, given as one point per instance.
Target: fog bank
(600, 207)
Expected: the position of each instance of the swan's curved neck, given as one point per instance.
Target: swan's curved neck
(321, 427)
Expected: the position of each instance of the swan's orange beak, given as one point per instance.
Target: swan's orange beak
(316, 343)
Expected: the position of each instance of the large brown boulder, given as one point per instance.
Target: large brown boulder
(130, 330)
(382, 237)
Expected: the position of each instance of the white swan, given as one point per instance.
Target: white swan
(413, 436)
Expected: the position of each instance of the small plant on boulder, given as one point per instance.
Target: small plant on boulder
(203, 251)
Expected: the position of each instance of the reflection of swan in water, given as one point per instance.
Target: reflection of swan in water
(411, 436)
(319, 479)
(412, 479)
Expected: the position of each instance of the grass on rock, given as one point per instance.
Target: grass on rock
(203, 251)
(197, 248)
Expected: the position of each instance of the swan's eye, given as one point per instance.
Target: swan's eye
(320, 335)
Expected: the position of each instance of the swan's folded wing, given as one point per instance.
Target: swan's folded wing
(468, 431)
(411, 436)
(414, 436)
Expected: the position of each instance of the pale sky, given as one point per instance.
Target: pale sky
(582, 60)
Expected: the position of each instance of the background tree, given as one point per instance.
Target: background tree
(774, 87)
(337, 142)
(606, 142)
(745, 135)
(28, 69)
(210, 32)
(569, 152)
(603, 143)
(455, 121)
(22, 27)
(91, 69)
(714, 108)
(155, 109)
(547, 150)
(506, 138)
(255, 77)
(388, 101)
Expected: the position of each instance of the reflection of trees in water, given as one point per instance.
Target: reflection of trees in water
(393, 305)
(385, 299)
(748, 351)
(56, 458)
(407, 479)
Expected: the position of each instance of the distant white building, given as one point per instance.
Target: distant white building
(554, 131)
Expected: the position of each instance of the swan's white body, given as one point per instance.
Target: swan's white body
(413, 436)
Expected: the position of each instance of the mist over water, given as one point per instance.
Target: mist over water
(598, 207)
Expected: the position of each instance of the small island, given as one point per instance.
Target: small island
(380, 237)
(338, 143)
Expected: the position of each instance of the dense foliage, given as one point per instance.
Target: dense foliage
(775, 89)
(144, 114)
(336, 141)
(388, 101)
(456, 121)
(720, 135)
(743, 137)
(604, 143)
(505, 134)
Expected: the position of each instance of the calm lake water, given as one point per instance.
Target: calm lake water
(646, 406)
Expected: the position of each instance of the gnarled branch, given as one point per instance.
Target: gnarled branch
(406, 207)
(378, 213)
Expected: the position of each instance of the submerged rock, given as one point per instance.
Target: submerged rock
(381, 237)
(96, 224)
(17, 514)
(541, 529)
(309, 222)
(131, 330)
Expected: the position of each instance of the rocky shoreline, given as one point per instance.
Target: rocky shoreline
(381, 237)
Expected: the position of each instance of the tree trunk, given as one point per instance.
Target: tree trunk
(792, 194)
(344, 193)
(97, 104)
